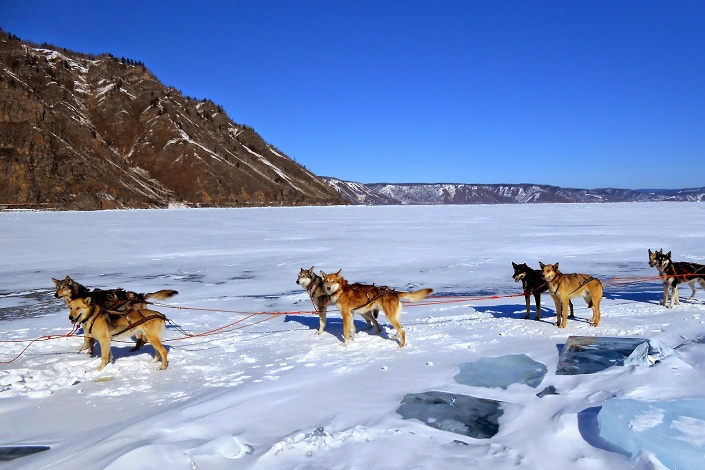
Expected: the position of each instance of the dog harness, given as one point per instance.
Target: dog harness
(383, 290)
(130, 326)
(582, 284)
(311, 289)
(139, 322)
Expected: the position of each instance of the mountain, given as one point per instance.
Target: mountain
(80, 131)
(420, 193)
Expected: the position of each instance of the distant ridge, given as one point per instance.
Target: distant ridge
(459, 193)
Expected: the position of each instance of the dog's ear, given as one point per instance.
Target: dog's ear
(514, 264)
(338, 273)
(56, 282)
(323, 274)
(311, 270)
(88, 300)
(555, 266)
(668, 255)
(660, 251)
(68, 279)
(541, 265)
(649, 251)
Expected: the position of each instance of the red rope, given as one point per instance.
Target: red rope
(32, 341)
(432, 300)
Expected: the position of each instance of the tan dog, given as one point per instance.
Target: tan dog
(564, 287)
(102, 326)
(361, 298)
(115, 300)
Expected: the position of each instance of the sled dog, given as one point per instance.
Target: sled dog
(114, 300)
(533, 284)
(359, 298)
(313, 283)
(101, 325)
(673, 273)
(564, 287)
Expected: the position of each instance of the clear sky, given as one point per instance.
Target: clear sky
(573, 93)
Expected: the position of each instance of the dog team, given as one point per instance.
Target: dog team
(107, 314)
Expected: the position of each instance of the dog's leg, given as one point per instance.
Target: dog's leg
(701, 281)
(537, 298)
(691, 283)
(564, 312)
(321, 318)
(527, 297)
(348, 325)
(393, 318)
(666, 285)
(366, 316)
(675, 297)
(596, 299)
(105, 353)
(595, 313)
(371, 320)
(557, 301)
(139, 342)
(88, 344)
(159, 351)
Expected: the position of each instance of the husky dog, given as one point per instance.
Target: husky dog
(114, 300)
(564, 287)
(359, 298)
(533, 283)
(313, 283)
(673, 273)
(101, 325)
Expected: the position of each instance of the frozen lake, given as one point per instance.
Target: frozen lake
(273, 394)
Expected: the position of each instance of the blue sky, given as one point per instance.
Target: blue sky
(573, 93)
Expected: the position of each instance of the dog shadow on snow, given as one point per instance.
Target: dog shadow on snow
(645, 293)
(122, 348)
(334, 326)
(518, 311)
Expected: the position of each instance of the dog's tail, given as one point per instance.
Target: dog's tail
(416, 295)
(161, 294)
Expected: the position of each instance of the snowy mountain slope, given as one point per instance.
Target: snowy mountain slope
(88, 132)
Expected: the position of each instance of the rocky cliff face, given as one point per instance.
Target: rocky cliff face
(90, 132)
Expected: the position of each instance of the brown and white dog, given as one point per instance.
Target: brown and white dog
(564, 287)
(313, 283)
(362, 298)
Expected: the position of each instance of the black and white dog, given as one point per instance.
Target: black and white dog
(673, 273)
(534, 284)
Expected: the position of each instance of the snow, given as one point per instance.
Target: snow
(266, 392)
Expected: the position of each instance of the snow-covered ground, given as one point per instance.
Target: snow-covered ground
(273, 394)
